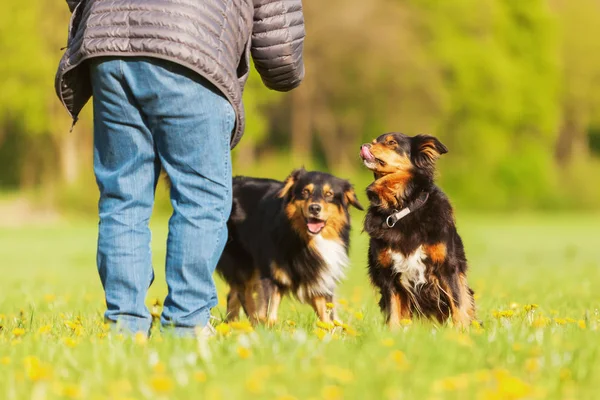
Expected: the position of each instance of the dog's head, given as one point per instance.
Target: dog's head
(317, 203)
(398, 153)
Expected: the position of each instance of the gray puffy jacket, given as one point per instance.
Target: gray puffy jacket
(212, 37)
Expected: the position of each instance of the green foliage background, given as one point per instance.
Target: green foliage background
(510, 87)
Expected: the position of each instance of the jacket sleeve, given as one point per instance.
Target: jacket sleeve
(277, 43)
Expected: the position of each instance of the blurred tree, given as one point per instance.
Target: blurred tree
(32, 33)
(580, 98)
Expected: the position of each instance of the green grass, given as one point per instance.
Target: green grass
(53, 345)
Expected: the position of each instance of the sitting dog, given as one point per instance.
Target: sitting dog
(416, 257)
(286, 237)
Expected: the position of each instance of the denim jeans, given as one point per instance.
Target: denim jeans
(150, 113)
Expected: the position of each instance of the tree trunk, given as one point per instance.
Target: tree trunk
(301, 124)
(69, 160)
(572, 139)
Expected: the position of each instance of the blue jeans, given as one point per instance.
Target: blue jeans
(150, 113)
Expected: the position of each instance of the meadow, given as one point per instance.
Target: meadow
(537, 285)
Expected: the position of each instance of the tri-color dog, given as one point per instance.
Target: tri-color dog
(416, 257)
(287, 237)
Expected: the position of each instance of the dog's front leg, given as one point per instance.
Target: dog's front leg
(395, 308)
(233, 305)
(319, 304)
(269, 301)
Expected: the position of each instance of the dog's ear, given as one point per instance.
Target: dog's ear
(350, 197)
(290, 181)
(426, 149)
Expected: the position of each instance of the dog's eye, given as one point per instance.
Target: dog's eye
(382, 163)
(305, 193)
(392, 143)
(329, 195)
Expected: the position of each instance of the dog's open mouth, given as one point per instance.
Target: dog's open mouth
(315, 225)
(369, 159)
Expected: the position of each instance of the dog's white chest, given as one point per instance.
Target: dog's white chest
(335, 260)
(411, 267)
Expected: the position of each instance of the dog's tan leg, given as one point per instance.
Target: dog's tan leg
(467, 302)
(462, 313)
(319, 303)
(233, 305)
(398, 310)
(274, 301)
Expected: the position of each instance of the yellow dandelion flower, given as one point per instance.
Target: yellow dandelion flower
(342, 375)
(140, 338)
(329, 306)
(460, 338)
(200, 376)
(349, 330)
(565, 374)
(118, 388)
(49, 298)
(161, 384)
(254, 386)
(399, 359)
(530, 307)
(405, 322)
(223, 329)
(503, 314)
(243, 326)
(325, 325)
(17, 332)
(388, 342)
(5, 360)
(532, 365)
(45, 329)
(36, 370)
(512, 387)
(540, 322)
(321, 333)
(71, 391)
(244, 352)
(332, 393)
(359, 315)
(159, 368)
(581, 324)
(517, 346)
(70, 342)
(560, 321)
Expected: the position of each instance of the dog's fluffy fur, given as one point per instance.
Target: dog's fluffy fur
(419, 264)
(286, 237)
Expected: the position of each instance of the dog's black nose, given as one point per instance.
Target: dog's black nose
(314, 209)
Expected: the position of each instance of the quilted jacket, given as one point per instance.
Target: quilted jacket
(214, 38)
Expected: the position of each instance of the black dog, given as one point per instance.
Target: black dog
(416, 257)
(286, 237)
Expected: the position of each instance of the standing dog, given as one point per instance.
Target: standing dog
(286, 237)
(416, 257)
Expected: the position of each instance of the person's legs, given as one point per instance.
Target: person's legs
(126, 169)
(192, 124)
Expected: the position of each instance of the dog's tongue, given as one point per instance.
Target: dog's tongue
(366, 153)
(315, 225)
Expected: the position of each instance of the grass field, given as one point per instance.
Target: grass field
(537, 283)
